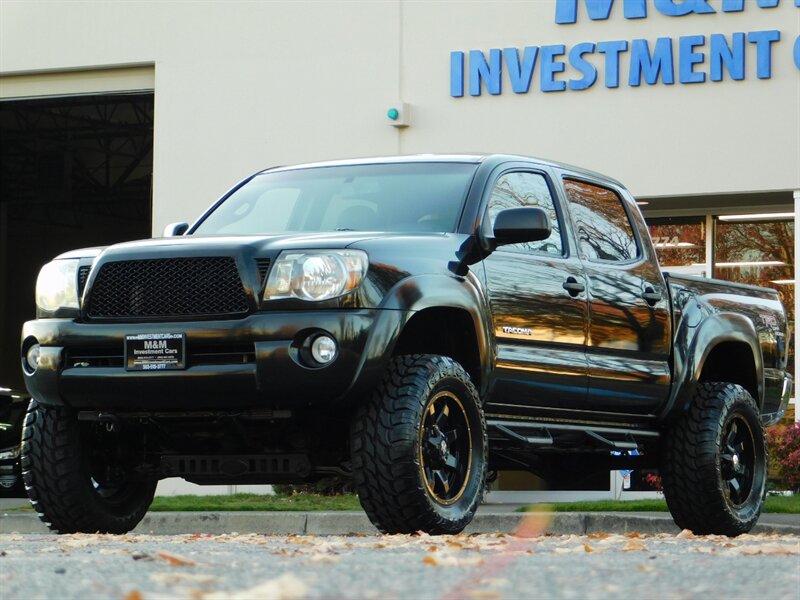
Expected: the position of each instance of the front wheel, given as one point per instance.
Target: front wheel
(714, 466)
(80, 477)
(419, 448)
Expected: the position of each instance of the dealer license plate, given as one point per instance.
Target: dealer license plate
(155, 351)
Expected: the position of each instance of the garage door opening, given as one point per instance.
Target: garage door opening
(74, 172)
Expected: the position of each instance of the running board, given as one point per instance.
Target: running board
(563, 435)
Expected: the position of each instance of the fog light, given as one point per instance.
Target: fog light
(32, 357)
(323, 349)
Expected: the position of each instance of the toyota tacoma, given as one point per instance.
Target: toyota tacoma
(411, 324)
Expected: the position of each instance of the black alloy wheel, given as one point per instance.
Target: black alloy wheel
(737, 459)
(445, 456)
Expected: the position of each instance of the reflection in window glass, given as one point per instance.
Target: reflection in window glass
(758, 253)
(604, 231)
(516, 190)
(679, 241)
(394, 197)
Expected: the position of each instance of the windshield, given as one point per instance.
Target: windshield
(400, 197)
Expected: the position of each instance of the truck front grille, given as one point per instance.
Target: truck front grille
(167, 287)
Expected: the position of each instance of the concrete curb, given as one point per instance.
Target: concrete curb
(343, 523)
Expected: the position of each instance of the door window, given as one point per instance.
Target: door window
(603, 228)
(521, 189)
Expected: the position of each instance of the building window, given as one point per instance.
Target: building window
(758, 252)
(680, 243)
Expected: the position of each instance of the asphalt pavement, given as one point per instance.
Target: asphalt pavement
(480, 567)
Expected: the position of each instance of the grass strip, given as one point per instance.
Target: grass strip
(774, 504)
(256, 502)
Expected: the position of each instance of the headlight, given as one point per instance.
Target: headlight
(57, 285)
(316, 275)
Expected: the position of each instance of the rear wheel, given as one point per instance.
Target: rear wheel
(714, 467)
(81, 477)
(419, 448)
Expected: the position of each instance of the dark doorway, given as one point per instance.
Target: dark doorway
(74, 172)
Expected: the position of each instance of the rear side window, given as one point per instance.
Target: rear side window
(601, 223)
(519, 189)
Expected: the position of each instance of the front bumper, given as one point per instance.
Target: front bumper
(245, 363)
(786, 393)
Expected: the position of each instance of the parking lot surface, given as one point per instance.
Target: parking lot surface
(488, 566)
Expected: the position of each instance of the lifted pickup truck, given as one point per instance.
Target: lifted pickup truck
(412, 323)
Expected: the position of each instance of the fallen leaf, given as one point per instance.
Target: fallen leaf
(533, 525)
(324, 558)
(443, 559)
(141, 556)
(588, 548)
(133, 595)
(770, 548)
(600, 535)
(633, 534)
(634, 546)
(686, 534)
(178, 577)
(176, 560)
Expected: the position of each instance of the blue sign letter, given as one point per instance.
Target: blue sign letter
(689, 58)
(738, 5)
(598, 10)
(642, 63)
(669, 8)
(797, 49)
(456, 74)
(576, 60)
(732, 58)
(549, 67)
(479, 71)
(612, 51)
(763, 41)
(520, 75)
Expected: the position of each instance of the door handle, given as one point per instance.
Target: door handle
(573, 286)
(651, 296)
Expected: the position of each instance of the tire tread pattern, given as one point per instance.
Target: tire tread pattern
(689, 470)
(56, 479)
(384, 436)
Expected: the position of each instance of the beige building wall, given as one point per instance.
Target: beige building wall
(244, 85)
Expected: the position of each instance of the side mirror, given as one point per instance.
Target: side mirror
(175, 229)
(527, 224)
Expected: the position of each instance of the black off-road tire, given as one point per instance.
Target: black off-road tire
(708, 490)
(394, 448)
(58, 478)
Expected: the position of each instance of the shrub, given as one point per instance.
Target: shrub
(784, 448)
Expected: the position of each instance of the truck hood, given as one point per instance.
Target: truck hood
(266, 245)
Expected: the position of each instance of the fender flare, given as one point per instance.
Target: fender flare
(696, 338)
(411, 296)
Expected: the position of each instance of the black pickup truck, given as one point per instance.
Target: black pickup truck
(412, 323)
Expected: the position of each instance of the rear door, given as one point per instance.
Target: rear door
(540, 327)
(629, 332)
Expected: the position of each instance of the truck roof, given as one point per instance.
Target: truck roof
(454, 158)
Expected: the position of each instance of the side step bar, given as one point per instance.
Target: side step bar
(552, 435)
